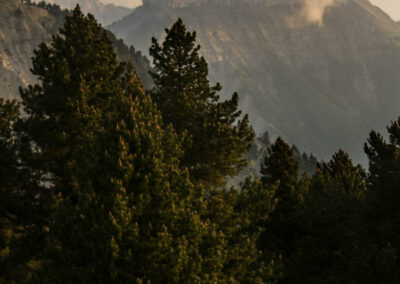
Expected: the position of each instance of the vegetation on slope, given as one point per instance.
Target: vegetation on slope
(93, 188)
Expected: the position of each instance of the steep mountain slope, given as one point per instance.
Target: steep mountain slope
(105, 13)
(320, 73)
(22, 28)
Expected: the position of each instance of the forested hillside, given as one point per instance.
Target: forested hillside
(106, 14)
(104, 182)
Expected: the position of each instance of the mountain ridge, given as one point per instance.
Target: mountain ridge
(321, 83)
(104, 13)
(23, 26)
(198, 3)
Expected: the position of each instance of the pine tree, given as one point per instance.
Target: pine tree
(280, 170)
(119, 208)
(240, 216)
(214, 145)
(328, 249)
(19, 199)
(98, 142)
(256, 205)
(9, 112)
(280, 167)
(383, 201)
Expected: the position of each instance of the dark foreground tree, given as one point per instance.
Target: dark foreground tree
(119, 208)
(382, 213)
(215, 136)
(9, 184)
(280, 170)
(19, 199)
(9, 112)
(328, 249)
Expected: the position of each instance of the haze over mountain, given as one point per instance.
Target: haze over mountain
(124, 3)
(105, 13)
(321, 74)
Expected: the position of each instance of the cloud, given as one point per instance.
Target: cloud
(313, 11)
(125, 3)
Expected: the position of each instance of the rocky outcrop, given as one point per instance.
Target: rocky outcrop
(320, 73)
(22, 29)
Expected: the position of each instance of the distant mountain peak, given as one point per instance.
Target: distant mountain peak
(308, 10)
(320, 73)
(104, 13)
(191, 3)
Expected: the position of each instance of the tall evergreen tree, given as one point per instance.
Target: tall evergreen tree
(280, 167)
(215, 136)
(9, 112)
(240, 215)
(383, 205)
(119, 206)
(9, 183)
(280, 170)
(19, 199)
(114, 195)
(328, 249)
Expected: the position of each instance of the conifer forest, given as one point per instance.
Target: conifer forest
(105, 178)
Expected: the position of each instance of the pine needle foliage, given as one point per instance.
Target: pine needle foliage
(216, 137)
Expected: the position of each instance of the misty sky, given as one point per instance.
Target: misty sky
(126, 3)
(392, 7)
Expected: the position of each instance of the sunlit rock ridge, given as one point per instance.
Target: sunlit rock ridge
(320, 73)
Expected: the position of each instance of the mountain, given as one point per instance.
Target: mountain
(105, 13)
(321, 74)
(24, 26)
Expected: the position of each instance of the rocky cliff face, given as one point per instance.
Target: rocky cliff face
(106, 14)
(320, 73)
(22, 28)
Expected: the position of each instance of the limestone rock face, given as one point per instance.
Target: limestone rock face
(106, 14)
(22, 29)
(320, 73)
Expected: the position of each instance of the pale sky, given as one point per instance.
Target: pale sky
(391, 7)
(126, 3)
